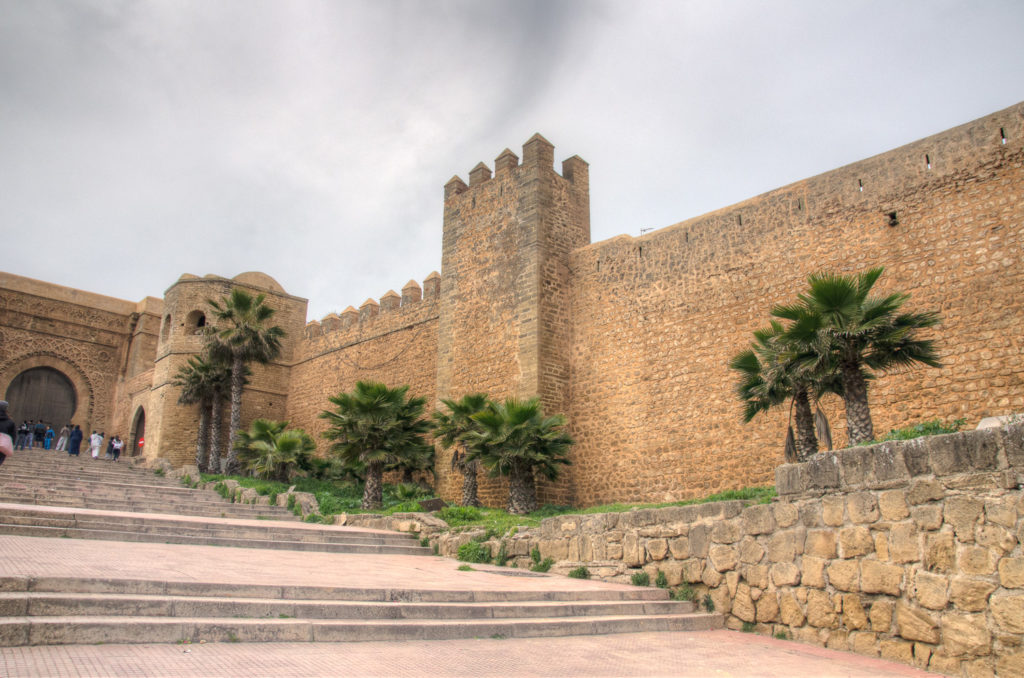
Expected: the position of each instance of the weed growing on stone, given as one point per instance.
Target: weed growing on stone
(640, 578)
(159, 472)
(501, 558)
(424, 541)
(926, 428)
(709, 604)
(781, 635)
(748, 627)
(684, 592)
(661, 581)
(580, 572)
(542, 566)
(232, 638)
(474, 552)
(498, 636)
(465, 568)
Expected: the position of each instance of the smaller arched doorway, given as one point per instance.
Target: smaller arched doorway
(138, 434)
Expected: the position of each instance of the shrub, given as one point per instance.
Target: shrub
(474, 552)
(580, 572)
(640, 578)
(424, 541)
(465, 568)
(158, 472)
(535, 554)
(748, 627)
(709, 604)
(661, 581)
(542, 566)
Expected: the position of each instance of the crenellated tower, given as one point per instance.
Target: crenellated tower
(504, 316)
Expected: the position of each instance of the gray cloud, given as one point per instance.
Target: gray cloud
(310, 140)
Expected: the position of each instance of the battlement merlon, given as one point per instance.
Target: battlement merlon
(538, 152)
(390, 303)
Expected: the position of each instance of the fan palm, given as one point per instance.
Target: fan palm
(203, 381)
(451, 429)
(241, 337)
(864, 333)
(374, 425)
(272, 451)
(516, 440)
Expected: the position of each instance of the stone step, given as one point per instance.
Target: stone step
(21, 604)
(17, 631)
(167, 538)
(225, 510)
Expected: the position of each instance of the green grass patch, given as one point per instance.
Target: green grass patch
(465, 568)
(926, 428)
(684, 593)
(661, 581)
(474, 552)
(580, 572)
(640, 578)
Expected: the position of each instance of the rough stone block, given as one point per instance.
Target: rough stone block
(971, 595)
(904, 543)
(941, 663)
(876, 577)
(768, 608)
(657, 549)
(812, 571)
(915, 457)
(979, 668)
(930, 590)
(700, 540)
(791, 612)
(1011, 439)
(785, 574)
(1011, 573)
(1008, 611)
(790, 479)
(892, 504)
(692, 570)
(854, 465)
(632, 554)
(844, 574)
(855, 541)
(821, 543)
(743, 604)
(723, 557)
(1001, 512)
(963, 513)
(965, 635)
(751, 551)
(994, 537)
(939, 552)
(924, 490)
(881, 615)
(727, 532)
(897, 651)
(756, 575)
(862, 507)
(673, 570)
(786, 514)
(854, 616)
(887, 465)
(915, 624)
(922, 653)
(977, 560)
(1010, 664)
(822, 472)
(711, 577)
(680, 548)
(964, 451)
(783, 546)
(757, 519)
(927, 516)
(821, 611)
(865, 643)
(833, 508)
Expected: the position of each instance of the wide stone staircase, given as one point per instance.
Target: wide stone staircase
(51, 593)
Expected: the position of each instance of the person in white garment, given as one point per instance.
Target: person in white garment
(95, 442)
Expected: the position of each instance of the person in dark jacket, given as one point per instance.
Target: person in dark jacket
(6, 426)
(75, 442)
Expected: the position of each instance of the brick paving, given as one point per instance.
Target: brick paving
(721, 654)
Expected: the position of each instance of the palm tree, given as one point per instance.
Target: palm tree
(374, 426)
(204, 381)
(272, 451)
(865, 333)
(410, 450)
(242, 337)
(451, 429)
(518, 441)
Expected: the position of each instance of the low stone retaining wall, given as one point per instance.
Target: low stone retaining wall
(906, 550)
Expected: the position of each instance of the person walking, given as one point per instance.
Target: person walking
(118, 445)
(8, 431)
(62, 441)
(24, 435)
(75, 441)
(39, 431)
(95, 441)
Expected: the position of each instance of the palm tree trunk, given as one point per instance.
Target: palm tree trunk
(806, 441)
(215, 407)
(203, 437)
(407, 475)
(469, 485)
(858, 415)
(373, 492)
(237, 382)
(522, 491)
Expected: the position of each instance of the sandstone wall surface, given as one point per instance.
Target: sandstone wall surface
(910, 551)
(656, 319)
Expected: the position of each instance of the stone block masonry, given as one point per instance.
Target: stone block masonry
(910, 551)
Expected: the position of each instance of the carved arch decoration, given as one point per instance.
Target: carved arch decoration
(84, 393)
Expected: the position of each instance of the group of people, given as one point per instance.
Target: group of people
(38, 434)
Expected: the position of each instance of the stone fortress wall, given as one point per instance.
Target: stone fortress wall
(629, 337)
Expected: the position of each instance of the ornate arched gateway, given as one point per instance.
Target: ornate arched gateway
(48, 387)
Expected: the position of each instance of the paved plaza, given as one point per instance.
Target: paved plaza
(702, 653)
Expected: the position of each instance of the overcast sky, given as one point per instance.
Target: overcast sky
(311, 140)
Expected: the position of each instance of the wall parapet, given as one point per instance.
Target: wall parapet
(390, 305)
(896, 463)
